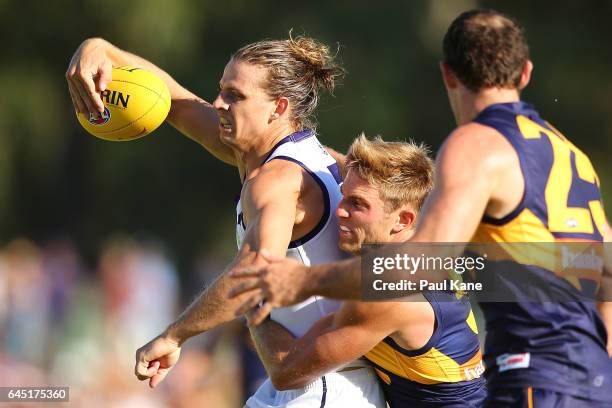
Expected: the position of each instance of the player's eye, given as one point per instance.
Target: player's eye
(357, 203)
(231, 95)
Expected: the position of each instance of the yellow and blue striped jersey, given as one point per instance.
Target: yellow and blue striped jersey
(446, 370)
(554, 345)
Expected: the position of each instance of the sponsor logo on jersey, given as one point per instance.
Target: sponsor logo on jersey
(473, 373)
(507, 362)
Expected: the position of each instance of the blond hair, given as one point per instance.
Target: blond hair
(403, 172)
(297, 68)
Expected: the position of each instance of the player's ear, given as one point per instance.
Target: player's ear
(448, 76)
(526, 75)
(406, 218)
(282, 105)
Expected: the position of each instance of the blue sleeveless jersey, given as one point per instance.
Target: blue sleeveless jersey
(559, 346)
(445, 372)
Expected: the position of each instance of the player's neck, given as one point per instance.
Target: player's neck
(254, 157)
(472, 103)
(403, 236)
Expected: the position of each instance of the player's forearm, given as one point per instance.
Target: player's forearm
(189, 114)
(342, 280)
(211, 309)
(273, 343)
(338, 280)
(292, 362)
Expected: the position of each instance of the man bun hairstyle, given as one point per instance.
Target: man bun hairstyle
(298, 68)
(485, 48)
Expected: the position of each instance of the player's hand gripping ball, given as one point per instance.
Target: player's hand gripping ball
(136, 102)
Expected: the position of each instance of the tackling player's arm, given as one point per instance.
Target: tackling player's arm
(333, 341)
(468, 170)
(90, 70)
(605, 305)
(269, 205)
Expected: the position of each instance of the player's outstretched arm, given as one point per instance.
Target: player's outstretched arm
(90, 70)
(332, 342)
(269, 204)
(467, 169)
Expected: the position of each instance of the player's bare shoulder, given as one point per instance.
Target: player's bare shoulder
(482, 144)
(276, 179)
(492, 160)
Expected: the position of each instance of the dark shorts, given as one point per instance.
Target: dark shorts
(537, 398)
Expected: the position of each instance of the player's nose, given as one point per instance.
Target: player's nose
(341, 212)
(219, 103)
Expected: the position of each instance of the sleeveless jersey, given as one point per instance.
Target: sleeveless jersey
(321, 244)
(446, 371)
(555, 345)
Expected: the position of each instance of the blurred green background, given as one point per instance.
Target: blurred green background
(57, 181)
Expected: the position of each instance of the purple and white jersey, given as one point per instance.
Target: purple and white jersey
(321, 244)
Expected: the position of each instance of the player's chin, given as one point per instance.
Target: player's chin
(228, 138)
(350, 245)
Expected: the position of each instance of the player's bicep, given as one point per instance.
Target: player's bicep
(198, 120)
(364, 324)
(270, 207)
(356, 328)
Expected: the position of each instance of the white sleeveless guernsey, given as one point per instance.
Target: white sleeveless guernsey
(357, 388)
(321, 244)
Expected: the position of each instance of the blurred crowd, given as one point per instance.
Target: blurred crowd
(65, 323)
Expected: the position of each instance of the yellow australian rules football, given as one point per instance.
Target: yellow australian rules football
(136, 102)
